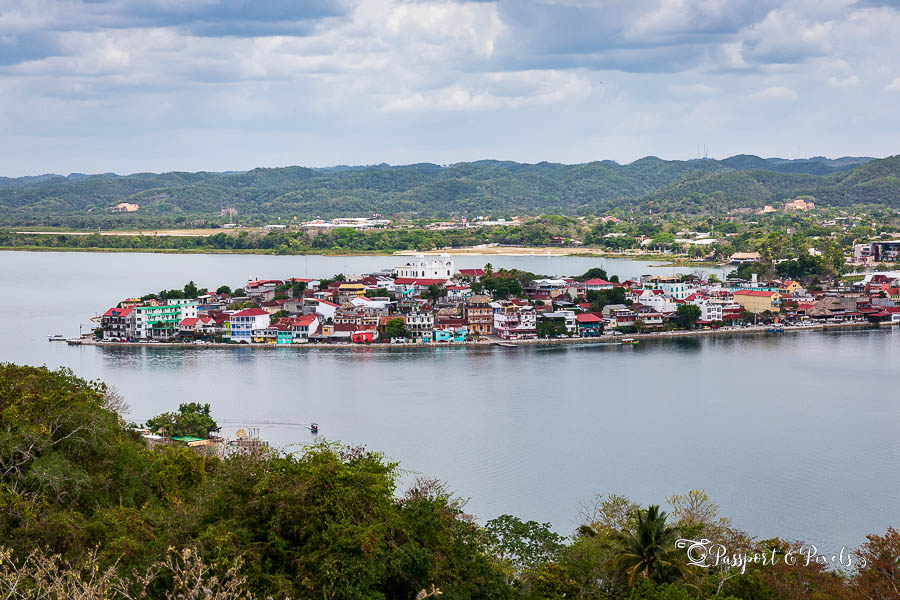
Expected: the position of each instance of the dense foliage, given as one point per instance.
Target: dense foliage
(192, 419)
(88, 511)
(426, 191)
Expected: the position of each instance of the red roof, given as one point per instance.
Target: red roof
(471, 272)
(189, 322)
(260, 282)
(588, 318)
(458, 287)
(305, 320)
(250, 312)
(598, 282)
(326, 302)
(118, 312)
(754, 293)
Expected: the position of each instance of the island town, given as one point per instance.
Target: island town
(429, 301)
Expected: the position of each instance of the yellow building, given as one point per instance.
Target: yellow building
(790, 287)
(352, 290)
(757, 301)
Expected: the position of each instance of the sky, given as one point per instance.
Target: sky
(158, 85)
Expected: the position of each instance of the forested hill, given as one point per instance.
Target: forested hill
(488, 187)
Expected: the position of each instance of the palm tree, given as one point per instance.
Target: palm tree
(648, 551)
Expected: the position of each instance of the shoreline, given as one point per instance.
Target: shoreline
(605, 339)
(666, 261)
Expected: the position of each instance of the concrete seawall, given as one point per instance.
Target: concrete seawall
(661, 335)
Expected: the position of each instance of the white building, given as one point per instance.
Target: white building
(165, 317)
(568, 317)
(244, 322)
(420, 268)
(658, 302)
(419, 322)
(710, 310)
(514, 322)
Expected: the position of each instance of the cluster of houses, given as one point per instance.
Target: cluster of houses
(430, 301)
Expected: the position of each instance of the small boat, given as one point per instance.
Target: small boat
(631, 341)
(777, 328)
(314, 428)
(507, 345)
(56, 337)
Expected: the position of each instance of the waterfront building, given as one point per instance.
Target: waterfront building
(513, 321)
(757, 301)
(589, 324)
(564, 317)
(118, 323)
(419, 321)
(162, 321)
(244, 322)
(479, 314)
(303, 327)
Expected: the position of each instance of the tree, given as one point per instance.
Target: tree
(297, 289)
(648, 550)
(190, 290)
(223, 289)
(395, 328)
(435, 292)
(601, 298)
(379, 293)
(524, 545)
(688, 315)
(881, 576)
(640, 325)
(192, 419)
(592, 273)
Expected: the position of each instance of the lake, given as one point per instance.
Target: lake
(793, 435)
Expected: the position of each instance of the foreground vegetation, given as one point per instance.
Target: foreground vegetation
(87, 511)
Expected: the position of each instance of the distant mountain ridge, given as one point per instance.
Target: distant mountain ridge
(427, 190)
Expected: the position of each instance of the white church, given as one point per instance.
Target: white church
(420, 268)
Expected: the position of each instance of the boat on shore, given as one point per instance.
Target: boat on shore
(631, 341)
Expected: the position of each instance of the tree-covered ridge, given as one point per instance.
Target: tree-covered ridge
(430, 191)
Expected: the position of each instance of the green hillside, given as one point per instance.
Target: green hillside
(427, 190)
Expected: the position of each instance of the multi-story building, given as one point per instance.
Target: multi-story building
(757, 301)
(479, 314)
(118, 323)
(420, 268)
(244, 322)
(162, 321)
(419, 322)
(565, 318)
(514, 321)
(304, 327)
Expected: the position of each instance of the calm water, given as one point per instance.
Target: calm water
(795, 435)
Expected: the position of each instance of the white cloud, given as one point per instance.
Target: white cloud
(776, 93)
(693, 90)
(470, 73)
(838, 82)
(493, 91)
